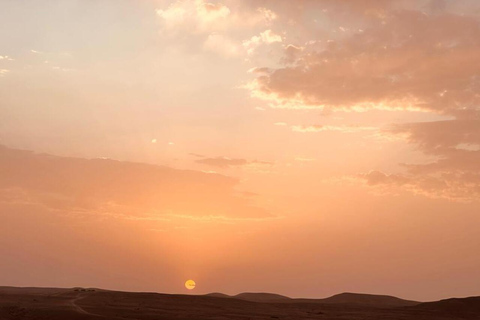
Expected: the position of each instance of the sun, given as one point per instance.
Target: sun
(190, 284)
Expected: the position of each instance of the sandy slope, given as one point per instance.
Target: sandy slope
(56, 304)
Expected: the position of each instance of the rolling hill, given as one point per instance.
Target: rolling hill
(92, 304)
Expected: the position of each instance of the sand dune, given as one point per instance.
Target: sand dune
(465, 307)
(254, 297)
(342, 298)
(78, 303)
(368, 300)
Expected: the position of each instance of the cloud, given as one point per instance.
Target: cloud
(455, 174)
(291, 54)
(202, 16)
(453, 187)
(268, 15)
(112, 188)
(223, 162)
(402, 56)
(3, 72)
(374, 178)
(217, 27)
(438, 137)
(221, 45)
(197, 155)
(442, 140)
(303, 159)
(265, 37)
(196, 16)
(468, 147)
(406, 61)
(321, 128)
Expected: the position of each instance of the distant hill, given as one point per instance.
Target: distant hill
(342, 298)
(368, 300)
(96, 304)
(217, 295)
(31, 290)
(261, 297)
(253, 297)
(458, 307)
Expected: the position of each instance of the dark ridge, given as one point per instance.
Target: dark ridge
(458, 307)
(342, 298)
(217, 295)
(368, 300)
(31, 290)
(95, 304)
(261, 297)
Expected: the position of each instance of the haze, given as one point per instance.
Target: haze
(299, 147)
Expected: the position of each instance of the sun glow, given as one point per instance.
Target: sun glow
(190, 284)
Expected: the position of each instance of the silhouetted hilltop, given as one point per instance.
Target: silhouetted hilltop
(261, 297)
(368, 299)
(218, 295)
(458, 307)
(94, 304)
(31, 290)
(253, 296)
(342, 298)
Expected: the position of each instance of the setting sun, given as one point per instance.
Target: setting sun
(302, 148)
(190, 284)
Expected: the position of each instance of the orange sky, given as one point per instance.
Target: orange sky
(305, 147)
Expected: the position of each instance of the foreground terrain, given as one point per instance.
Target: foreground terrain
(79, 303)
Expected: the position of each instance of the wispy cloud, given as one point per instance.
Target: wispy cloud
(224, 162)
(217, 27)
(118, 189)
(266, 37)
(455, 174)
(341, 128)
(6, 58)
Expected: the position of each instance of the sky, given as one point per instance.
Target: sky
(306, 147)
